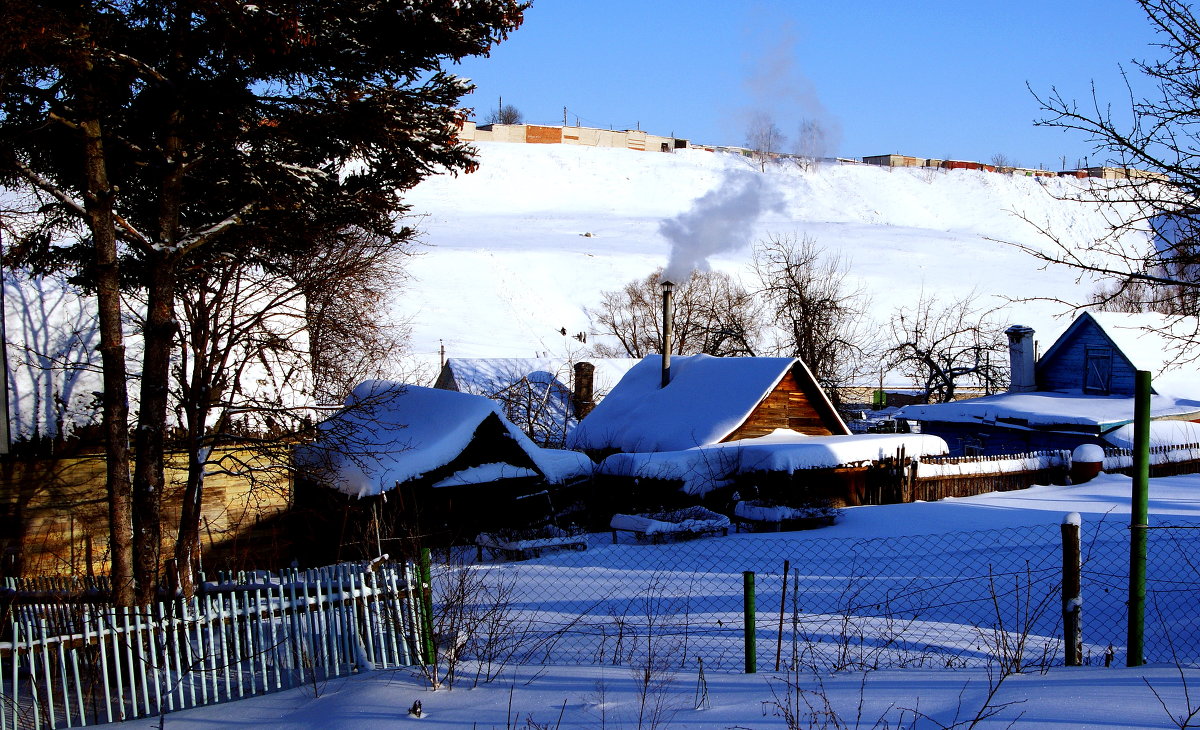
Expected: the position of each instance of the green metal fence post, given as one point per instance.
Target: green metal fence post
(748, 621)
(1138, 519)
(426, 593)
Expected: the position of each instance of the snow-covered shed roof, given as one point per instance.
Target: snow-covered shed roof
(707, 399)
(1048, 410)
(390, 433)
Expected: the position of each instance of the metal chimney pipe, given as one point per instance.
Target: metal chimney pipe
(668, 288)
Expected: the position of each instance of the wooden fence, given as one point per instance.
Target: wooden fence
(939, 477)
(72, 660)
(1165, 461)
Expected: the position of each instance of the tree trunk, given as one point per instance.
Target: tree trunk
(150, 440)
(197, 395)
(99, 205)
(159, 336)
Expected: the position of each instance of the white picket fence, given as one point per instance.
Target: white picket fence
(262, 633)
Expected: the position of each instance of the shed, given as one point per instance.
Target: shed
(1083, 389)
(452, 457)
(1100, 351)
(708, 400)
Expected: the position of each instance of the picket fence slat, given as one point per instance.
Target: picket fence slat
(75, 662)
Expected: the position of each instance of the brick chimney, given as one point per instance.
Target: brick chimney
(1021, 359)
(583, 400)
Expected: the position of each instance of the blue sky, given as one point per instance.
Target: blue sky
(925, 78)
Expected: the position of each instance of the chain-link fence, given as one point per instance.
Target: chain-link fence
(955, 599)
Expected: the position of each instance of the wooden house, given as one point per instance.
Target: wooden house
(708, 400)
(405, 460)
(1080, 391)
(725, 429)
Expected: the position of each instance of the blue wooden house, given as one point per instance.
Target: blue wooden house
(1080, 391)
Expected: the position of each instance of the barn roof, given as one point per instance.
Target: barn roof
(390, 433)
(706, 400)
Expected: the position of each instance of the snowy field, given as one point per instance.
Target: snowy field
(592, 694)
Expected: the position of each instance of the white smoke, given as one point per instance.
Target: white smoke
(781, 93)
(721, 220)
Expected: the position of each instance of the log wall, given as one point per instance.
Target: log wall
(54, 512)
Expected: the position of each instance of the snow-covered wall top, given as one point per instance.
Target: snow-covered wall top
(707, 467)
(707, 398)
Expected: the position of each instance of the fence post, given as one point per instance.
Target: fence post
(1072, 601)
(787, 567)
(1138, 519)
(425, 594)
(748, 621)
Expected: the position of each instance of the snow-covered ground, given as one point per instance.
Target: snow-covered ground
(611, 696)
(518, 250)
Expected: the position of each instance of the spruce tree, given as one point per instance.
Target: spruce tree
(177, 134)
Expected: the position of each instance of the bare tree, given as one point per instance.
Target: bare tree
(764, 138)
(505, 114)
(259, 344)
(812, 142)
(818, 316)
(1151, 202)
(1002, 160)
(714, 315)
(943, 346)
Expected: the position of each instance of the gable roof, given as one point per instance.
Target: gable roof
(390, 433)
(1160, 343)
(706, 400)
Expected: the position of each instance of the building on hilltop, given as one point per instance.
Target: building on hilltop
(630, 139)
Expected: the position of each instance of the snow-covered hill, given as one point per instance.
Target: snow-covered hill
(515, 253)
(518, 250)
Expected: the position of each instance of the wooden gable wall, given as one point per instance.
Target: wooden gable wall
(795, 403)
(1066, 369)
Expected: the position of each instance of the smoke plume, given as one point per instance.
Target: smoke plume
(721, 220)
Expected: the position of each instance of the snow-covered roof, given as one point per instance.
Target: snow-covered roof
(706, 400)
(534, 393)
(489, 375)
(1047, 410)
(706, 467)
(390, 433)
(1162, 433)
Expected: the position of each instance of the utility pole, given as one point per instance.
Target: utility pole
(564, 116)
(1138, 519)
